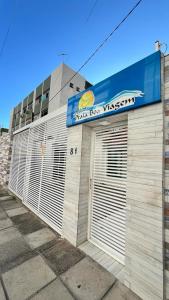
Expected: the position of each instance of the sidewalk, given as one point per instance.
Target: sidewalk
(36, 263)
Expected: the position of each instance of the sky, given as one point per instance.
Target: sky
(39, 30)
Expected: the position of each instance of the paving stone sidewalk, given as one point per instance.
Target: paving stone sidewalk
(36, 263)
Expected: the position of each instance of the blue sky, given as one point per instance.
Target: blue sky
(41, 29)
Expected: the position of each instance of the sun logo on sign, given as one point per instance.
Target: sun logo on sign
(86, 100)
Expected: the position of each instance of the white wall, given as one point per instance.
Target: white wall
(58, 80)
(55, 86)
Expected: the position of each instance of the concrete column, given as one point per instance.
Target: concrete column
(84, 185)
(72, 184)
(75, 215)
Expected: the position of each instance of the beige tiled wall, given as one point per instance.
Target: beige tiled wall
(72, 184)
(84, 185)
(166, 167)
(144, 225)
(75, 216)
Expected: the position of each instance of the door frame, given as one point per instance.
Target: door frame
(93, 139)
(117, 256)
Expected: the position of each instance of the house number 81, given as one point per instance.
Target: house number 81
(73, 151)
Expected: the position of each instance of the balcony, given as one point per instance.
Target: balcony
(45, 101)
(25, 102)
(30, 98)
(17, 121)
(23, 119)
(29, 116)
(37, 108)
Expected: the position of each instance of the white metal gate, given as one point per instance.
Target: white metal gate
(34, 166)
(18, 163)
(40, 183)
(108, 194)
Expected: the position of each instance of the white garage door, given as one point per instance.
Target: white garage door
(108, 195)
(38, 167)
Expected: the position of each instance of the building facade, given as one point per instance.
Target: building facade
(96, 171)
(45, 98)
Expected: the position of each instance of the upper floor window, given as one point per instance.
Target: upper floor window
(44, 112)
(38, 99)
(30, 106)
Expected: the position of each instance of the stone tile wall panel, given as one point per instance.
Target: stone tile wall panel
(5, 154)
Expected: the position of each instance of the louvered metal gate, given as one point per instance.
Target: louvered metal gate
(41, 183)
(108, 190)
(33, 174)
(18, 163)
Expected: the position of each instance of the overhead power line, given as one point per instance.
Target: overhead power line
(99, 47)
(5, 40)
(8, 31)
(91, 11)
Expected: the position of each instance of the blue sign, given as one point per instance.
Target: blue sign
(133, 87)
